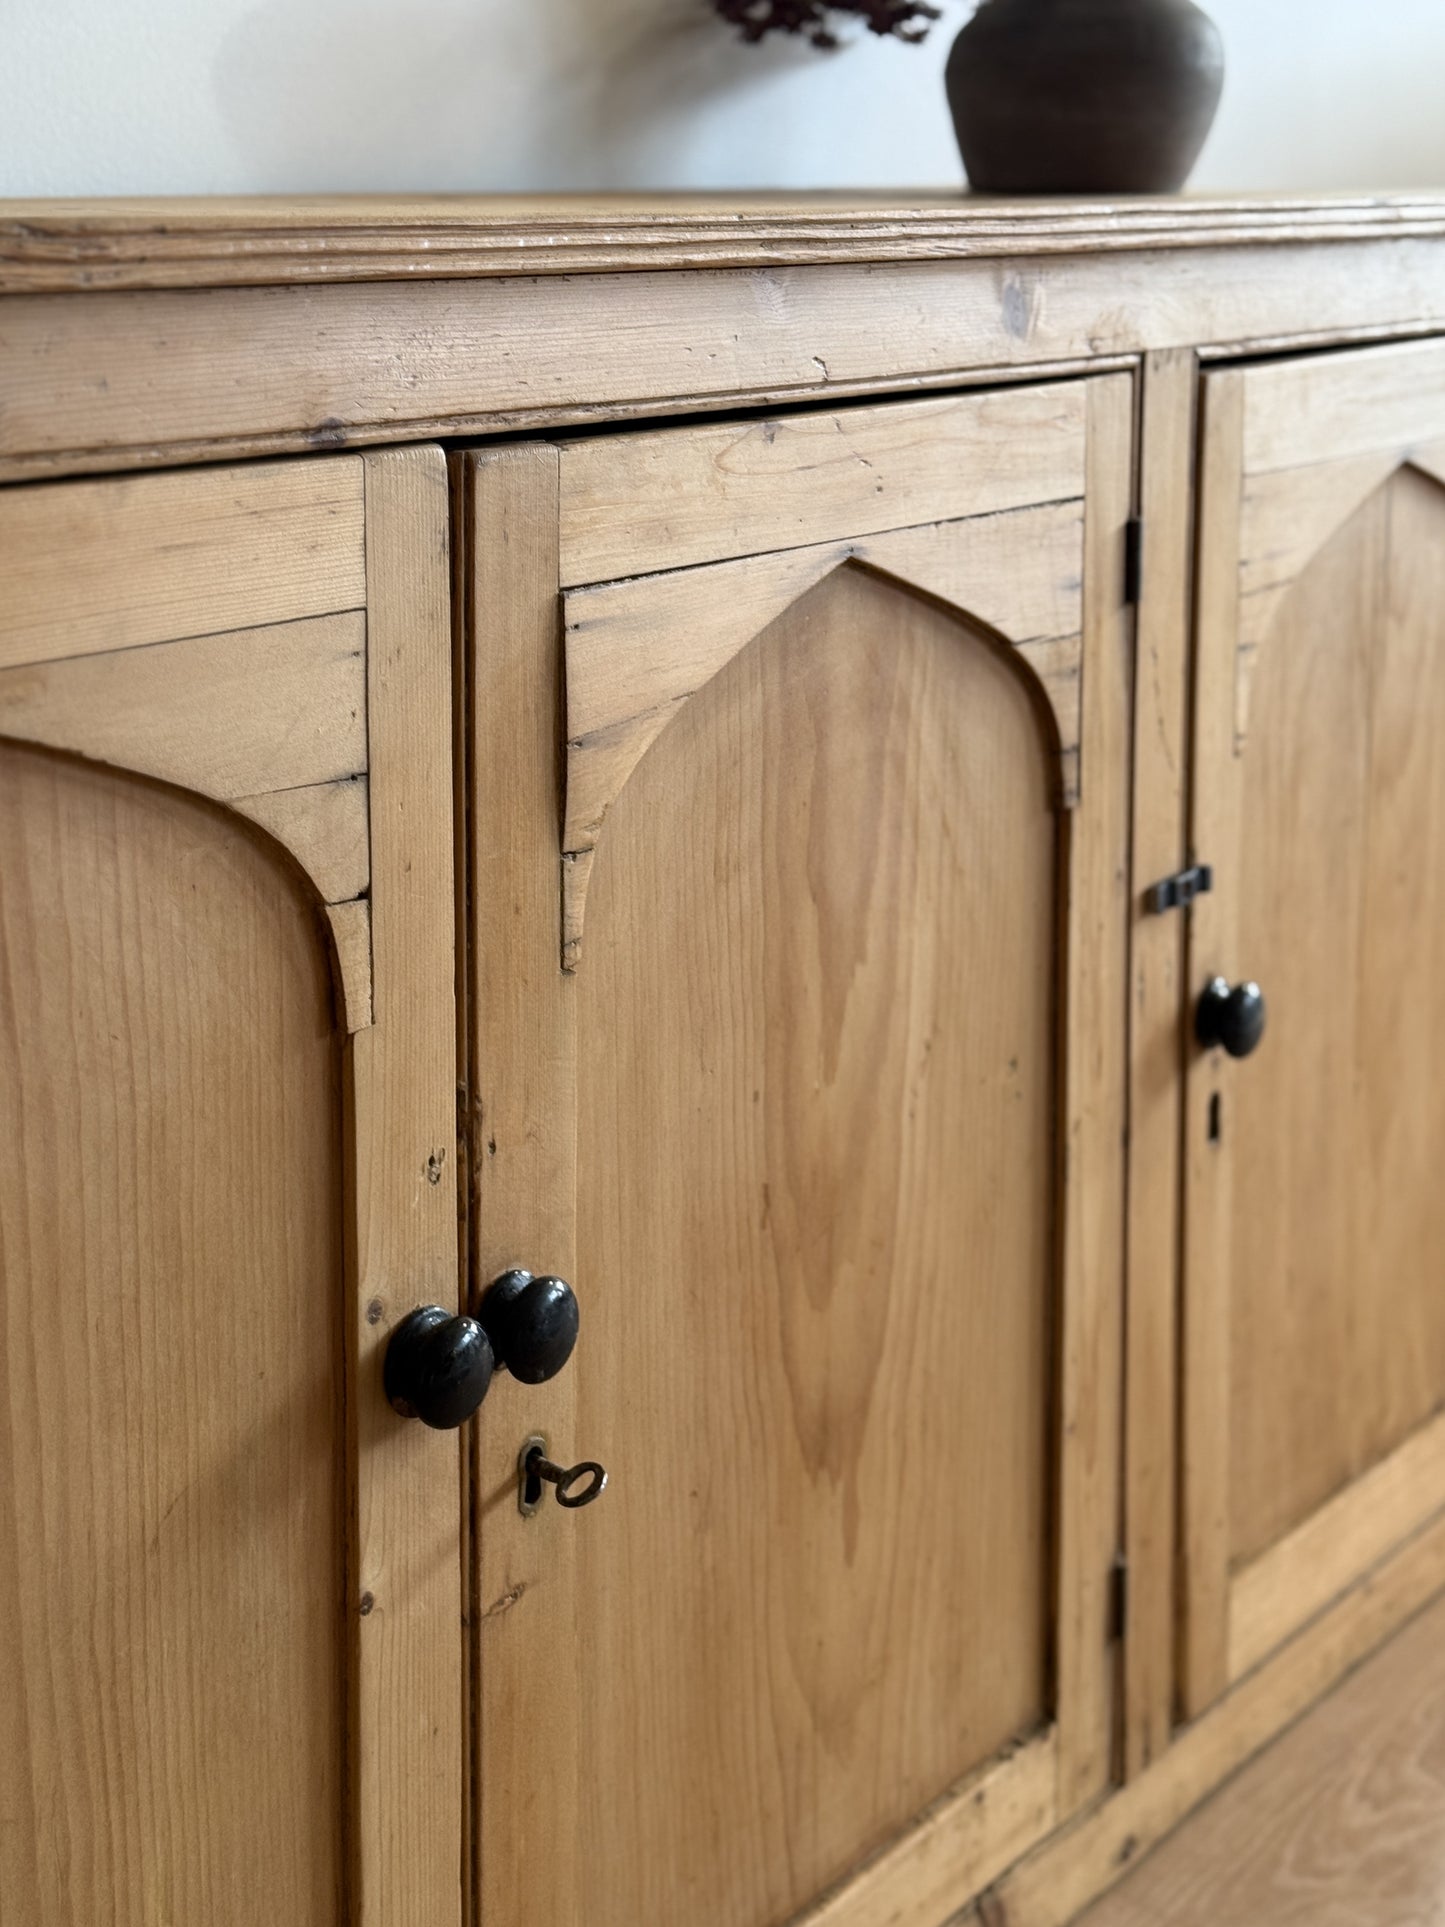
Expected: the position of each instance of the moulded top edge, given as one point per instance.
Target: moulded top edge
(59, 245)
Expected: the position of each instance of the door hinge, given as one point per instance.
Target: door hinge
(1133, 560)
(1180, 890)
(1118, 1597)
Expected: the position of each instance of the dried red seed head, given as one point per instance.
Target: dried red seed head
(905, 19)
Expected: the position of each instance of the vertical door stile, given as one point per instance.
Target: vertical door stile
(523, 1070)
(1204, 1592)
(1096, 1099)
(406, 1595)
(1170, 387)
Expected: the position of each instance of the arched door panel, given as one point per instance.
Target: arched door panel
(835, 858)
(227, 1102)
(173, 1553)
(1315, 1335)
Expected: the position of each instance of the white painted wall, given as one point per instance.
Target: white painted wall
(239, 96)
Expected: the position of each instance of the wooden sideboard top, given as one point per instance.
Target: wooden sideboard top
(213, 330)
(55, 245)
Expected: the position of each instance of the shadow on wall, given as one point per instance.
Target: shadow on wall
(476, 94)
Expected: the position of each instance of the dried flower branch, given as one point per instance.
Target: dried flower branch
(906, 19)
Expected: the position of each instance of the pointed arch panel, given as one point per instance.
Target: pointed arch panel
(637, 651)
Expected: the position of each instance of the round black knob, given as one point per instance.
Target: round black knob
(1231, 1018)
(438, 1368)
(532, 1323)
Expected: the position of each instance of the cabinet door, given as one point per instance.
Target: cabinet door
(1315, 1319)
(230, 1682)
(798, 790)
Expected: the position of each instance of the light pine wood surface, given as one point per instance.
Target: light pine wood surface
(637, 649)
(406, 1600)
(1316, 1348)
(1156, 1050)
(113, 565)
(522, 1128)
(635, 504)
(1061, 1877)
(234, 1573)
(1204, 1436)
(271, 720)
(160, 242)
(110, 381)
(1091, 1174)
(855, 1119)
(1341, 1823)
(1337, 1319)
(172, 1454)
(799, 984)
(1344, 1537)
(209, 629)
(808, 1064)
(277, 708)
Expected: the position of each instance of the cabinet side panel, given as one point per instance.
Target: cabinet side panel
(171, 1542)
(816, 1219)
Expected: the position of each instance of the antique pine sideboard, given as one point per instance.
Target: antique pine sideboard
(859, 781)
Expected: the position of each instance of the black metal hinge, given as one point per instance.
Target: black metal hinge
(1133, 560)
(1118, 1597)
(1180, 890)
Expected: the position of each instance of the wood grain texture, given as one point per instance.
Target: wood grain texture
(169, 625)
(265, 709)
(636, 504)
(113, 381)
(1056, 1881)
(1337, 1323)
(173, 1733)
(1338, 1824)
(157, 242)
(1319, 438)
(523, 1131)
(1288, 516)
(1304, 411)
(1350, 1533)
(817, 1092)
(104, 566)
(406, 1552)
(1093, 991)
(271, 720)
(637, 650)
(1156, 1047)
(1316, 1345)
(856, 749)
(1205, 1441)
(955, 1849)
(261, 1692)
(327, 826)
(350, 925)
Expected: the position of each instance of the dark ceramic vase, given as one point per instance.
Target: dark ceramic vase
(1084, 96)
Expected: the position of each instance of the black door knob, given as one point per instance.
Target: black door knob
(1231, 1018)
(439, 1367)
(532, 1323)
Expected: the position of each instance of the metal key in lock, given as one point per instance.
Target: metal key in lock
(535, 1472)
